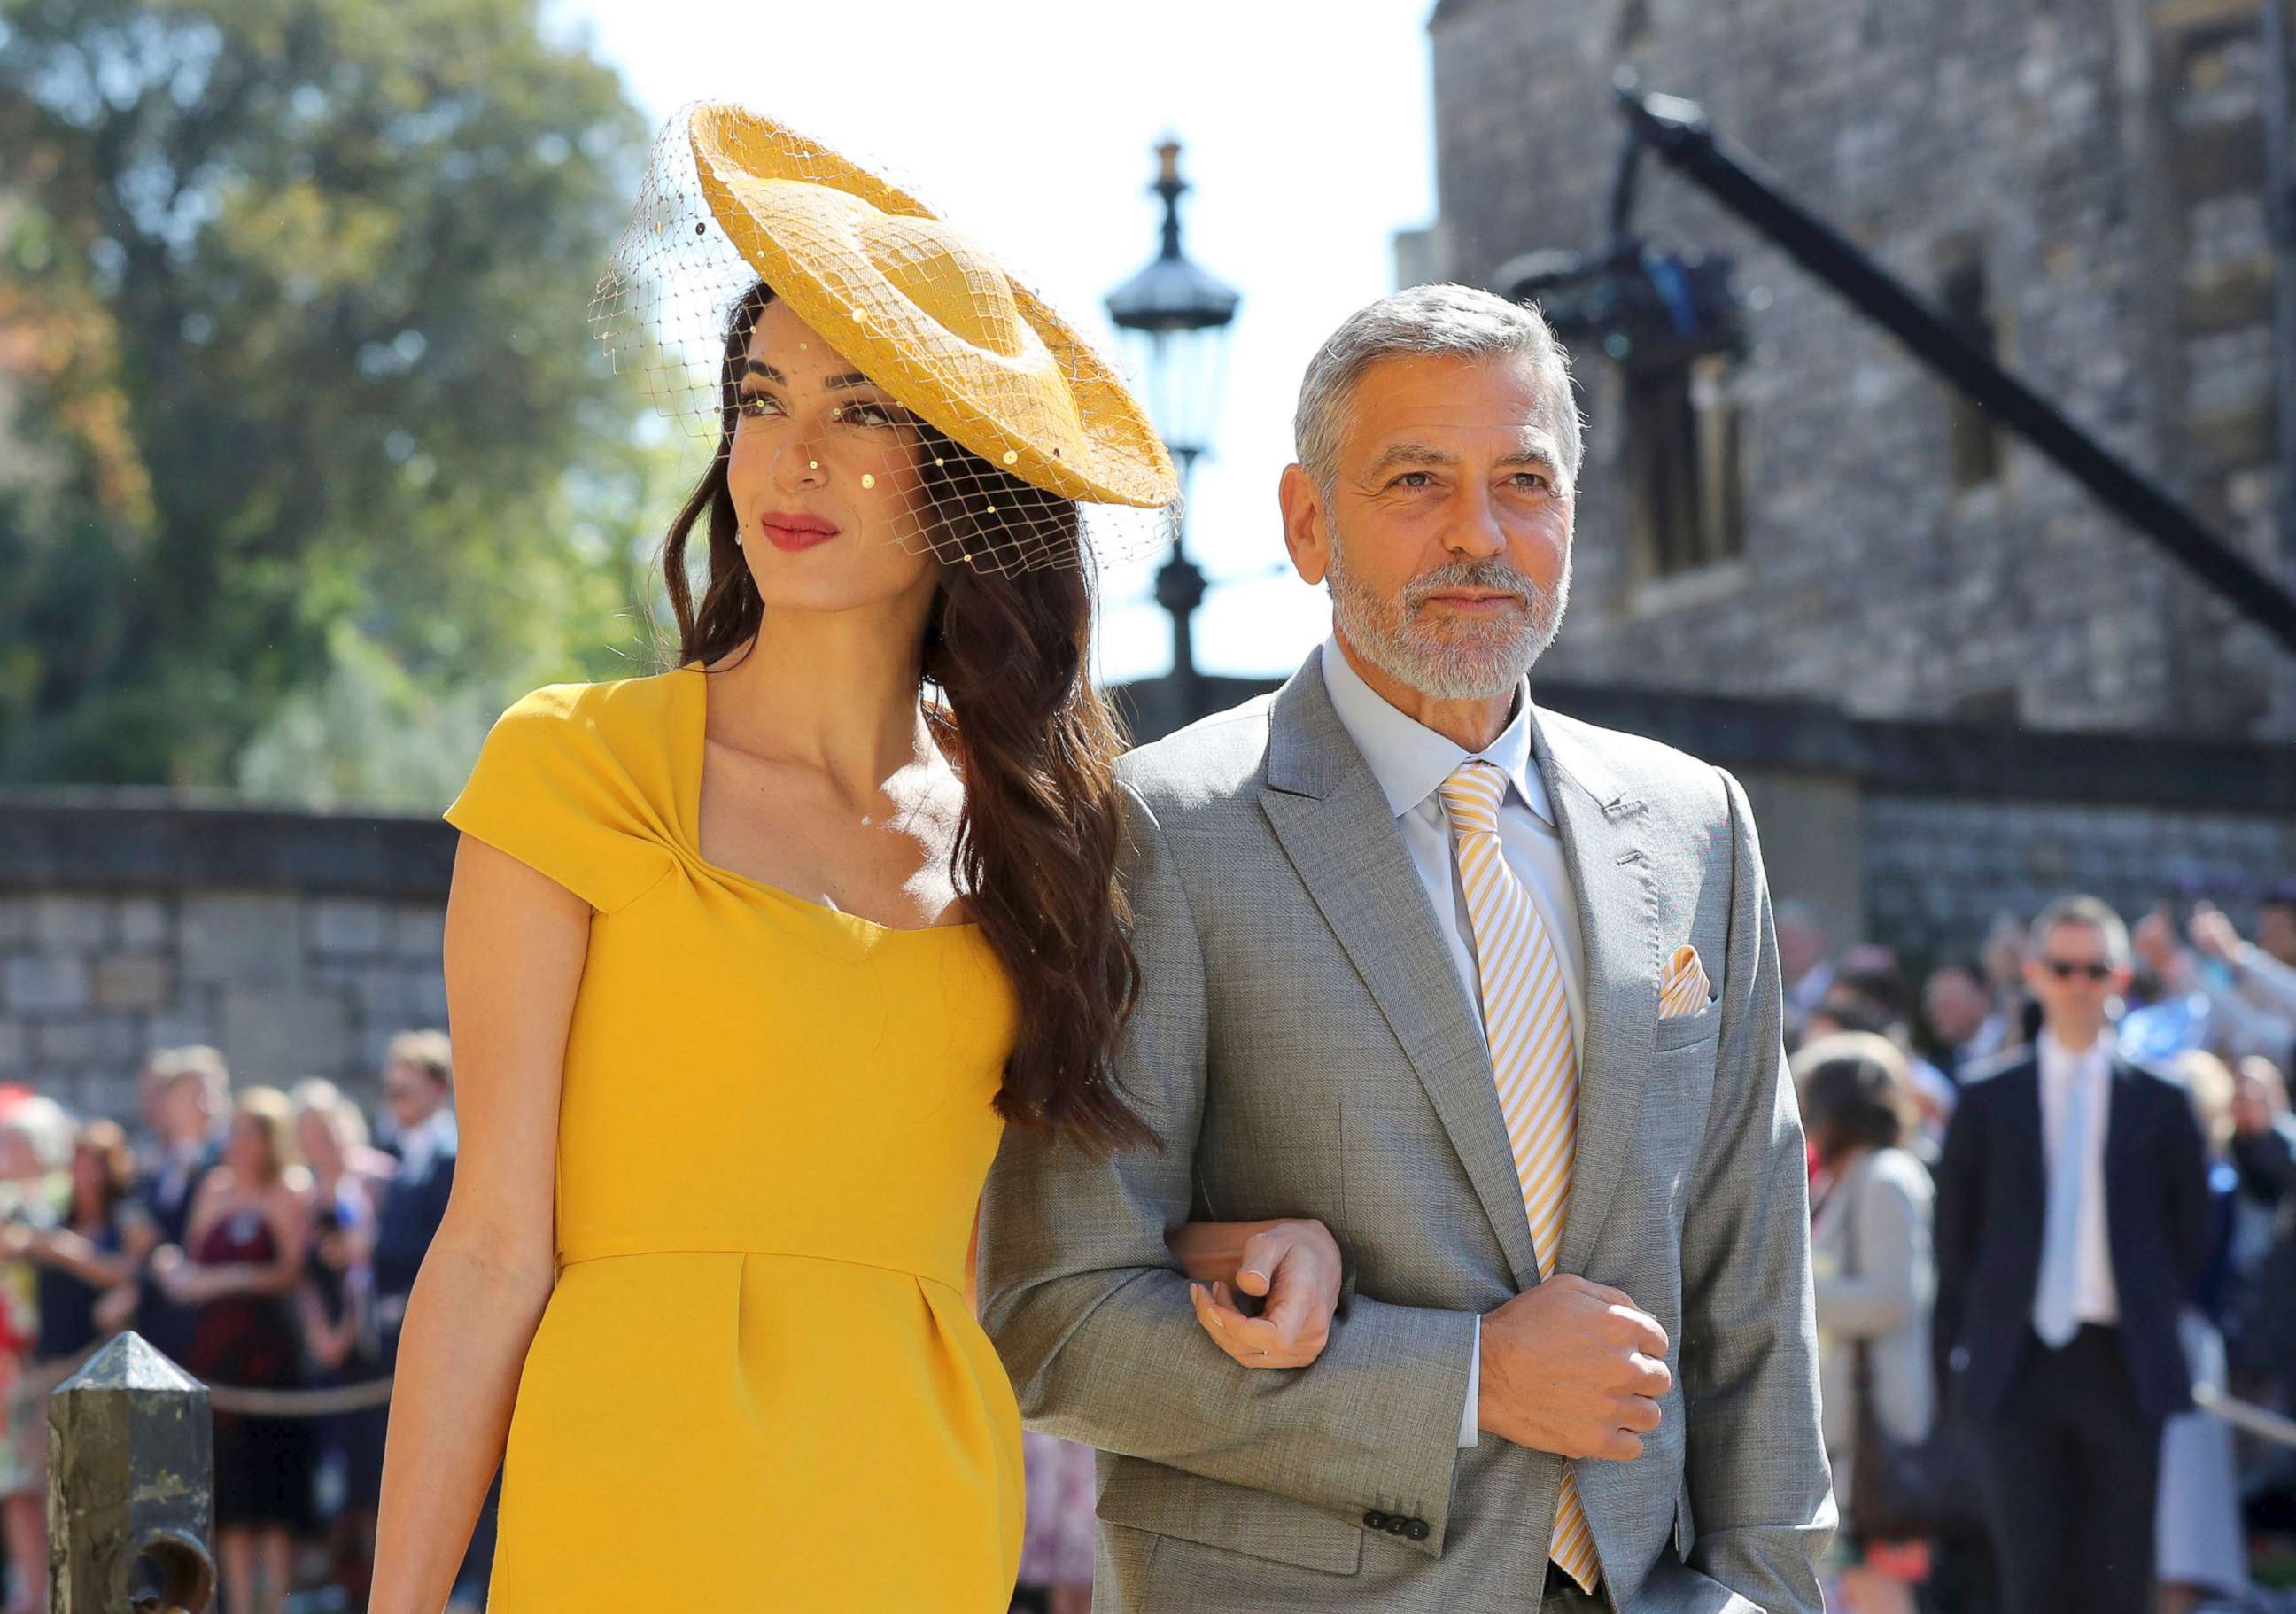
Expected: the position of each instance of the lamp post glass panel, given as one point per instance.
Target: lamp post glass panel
(1176, 317)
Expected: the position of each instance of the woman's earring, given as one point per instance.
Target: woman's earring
(737, 537)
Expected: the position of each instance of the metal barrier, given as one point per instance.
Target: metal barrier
(131, 1486)
(2260, 1421)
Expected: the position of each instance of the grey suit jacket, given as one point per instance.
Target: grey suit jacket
(1303, 1047)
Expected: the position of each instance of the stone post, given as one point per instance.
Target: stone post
(131, 1486)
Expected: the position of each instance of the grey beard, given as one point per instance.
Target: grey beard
(1473, 661)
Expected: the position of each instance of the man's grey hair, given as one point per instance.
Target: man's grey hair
(1449, 320)
(2092, 911)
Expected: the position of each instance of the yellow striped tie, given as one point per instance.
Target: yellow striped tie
(1527, 1022)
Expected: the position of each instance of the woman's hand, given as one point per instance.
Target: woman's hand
(181, 1281)
(1293, 1267)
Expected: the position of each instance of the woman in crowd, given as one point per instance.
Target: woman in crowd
(1875, 1280)
(240, 1266)
(36, 1192)
(343, 1342)
(78, 1265)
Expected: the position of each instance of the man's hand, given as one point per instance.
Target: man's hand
(1293, 1265)
(2213, 934)
(1574, 1368)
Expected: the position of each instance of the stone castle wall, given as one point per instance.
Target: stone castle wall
(2101, 161)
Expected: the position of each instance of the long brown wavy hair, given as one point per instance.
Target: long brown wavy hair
(1036, 851)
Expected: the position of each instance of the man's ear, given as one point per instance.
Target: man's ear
(1307, 528)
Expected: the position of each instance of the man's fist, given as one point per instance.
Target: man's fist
(1574, 1368)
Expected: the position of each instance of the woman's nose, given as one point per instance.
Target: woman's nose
(796, 464)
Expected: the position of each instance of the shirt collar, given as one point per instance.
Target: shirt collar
(426, 1138)
(1409, 759)
(2062, 1062)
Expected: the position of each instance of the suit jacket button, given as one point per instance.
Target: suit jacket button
(1417, 1530)
(1397, 1526)
(1374, 1520)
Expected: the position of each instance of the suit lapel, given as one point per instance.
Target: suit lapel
(1334, 825)
(1611, 878)
(2123, 1134)
(2027, 1149)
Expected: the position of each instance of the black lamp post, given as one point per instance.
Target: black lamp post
(1175, 316)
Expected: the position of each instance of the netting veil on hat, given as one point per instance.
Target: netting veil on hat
(1028, 445)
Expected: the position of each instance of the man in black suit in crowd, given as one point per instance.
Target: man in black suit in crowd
(188, 1106)
(2072, 1222)
(418, 1085)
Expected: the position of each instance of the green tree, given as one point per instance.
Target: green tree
(311, 426)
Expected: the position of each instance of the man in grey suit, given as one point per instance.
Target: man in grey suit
(1460, 978)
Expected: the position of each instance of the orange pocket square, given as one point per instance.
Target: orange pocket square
(1683, 989)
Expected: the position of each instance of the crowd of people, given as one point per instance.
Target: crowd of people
(2051, 1194)
(267, 1242)
(2035, 1350)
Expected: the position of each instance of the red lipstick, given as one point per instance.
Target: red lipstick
(790, 531)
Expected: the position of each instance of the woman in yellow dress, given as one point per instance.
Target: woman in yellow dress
(751, 962)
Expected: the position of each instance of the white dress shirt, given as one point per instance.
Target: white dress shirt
(426, 1140)
(1410, 762)
(2095, 1299)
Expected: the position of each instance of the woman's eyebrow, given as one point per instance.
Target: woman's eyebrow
(851, 378)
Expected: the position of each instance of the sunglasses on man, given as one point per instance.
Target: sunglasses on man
(2065, 968)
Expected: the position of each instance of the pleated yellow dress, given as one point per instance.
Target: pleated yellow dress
(757, 1385)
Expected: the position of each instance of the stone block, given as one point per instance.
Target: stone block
(349, 928)
(278, 1037)
(44, 984)
(2215, 159)
(62, 1042)
(426, 999)
(419, 933)
(2226, 297)
(136, 981)
(67, 924)
(242, 938)
(2180, 15)
(106, 1093)
(182, 1027)
(2232, 437)
(145, 921)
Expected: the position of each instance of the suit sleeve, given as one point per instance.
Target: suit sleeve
(1960, 1192)
(2190, 1216)
(1755, 1461)
(1090, 1311)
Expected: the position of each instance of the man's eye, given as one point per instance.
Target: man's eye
(1531, 479)
(1413, 479)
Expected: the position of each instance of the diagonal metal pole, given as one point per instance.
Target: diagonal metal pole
(1677, 131)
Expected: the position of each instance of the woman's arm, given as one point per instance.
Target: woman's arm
(77, 1254)
(515, 943)
(329, 1342)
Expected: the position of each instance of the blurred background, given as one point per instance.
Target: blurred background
(1942, 410)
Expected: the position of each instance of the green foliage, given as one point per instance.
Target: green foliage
(316, 462)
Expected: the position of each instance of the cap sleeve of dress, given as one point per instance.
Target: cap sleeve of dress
(550, 790)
